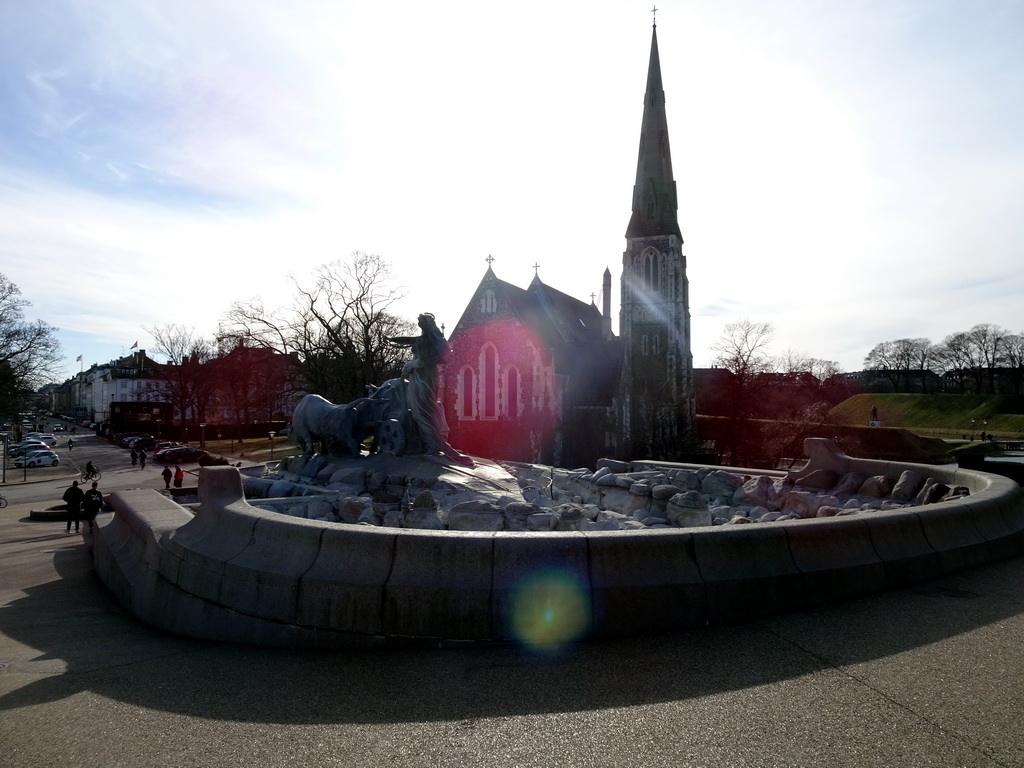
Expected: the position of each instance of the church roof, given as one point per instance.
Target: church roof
(570, 329)
(571, 318)
(557, 316)
(655, 203)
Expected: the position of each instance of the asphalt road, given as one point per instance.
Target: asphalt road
(931, 675)
(28, 485)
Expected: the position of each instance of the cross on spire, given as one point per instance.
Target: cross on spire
(536, 268)
(489, 259)
(654, 16)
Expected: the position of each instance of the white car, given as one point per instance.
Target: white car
(20, 449)
(50, 440)
(37, 459)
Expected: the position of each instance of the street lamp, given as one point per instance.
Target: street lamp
(202, 436)
(272, 444)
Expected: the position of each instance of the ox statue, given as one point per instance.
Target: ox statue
(335, 427)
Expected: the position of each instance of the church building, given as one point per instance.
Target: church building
(538, 375)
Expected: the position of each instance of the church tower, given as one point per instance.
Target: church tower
(656, 407)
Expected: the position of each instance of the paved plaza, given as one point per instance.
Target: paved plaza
(931, 675)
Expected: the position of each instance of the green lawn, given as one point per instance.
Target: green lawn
(948, 416)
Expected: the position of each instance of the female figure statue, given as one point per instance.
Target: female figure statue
(420, 373)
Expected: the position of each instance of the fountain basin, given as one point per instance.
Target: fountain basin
(233, 572)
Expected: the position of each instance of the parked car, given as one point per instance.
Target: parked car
(37, 459)
(146, 443)
(179, 455)
(20, 449)
(50, 440)
(122, 439)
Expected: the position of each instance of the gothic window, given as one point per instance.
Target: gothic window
(649, 268)
(489, 375)
(643, 344)
(656, 345)
(512, 392)
(467, 387)
(488, 304)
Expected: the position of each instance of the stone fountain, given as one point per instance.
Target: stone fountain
(420, 545)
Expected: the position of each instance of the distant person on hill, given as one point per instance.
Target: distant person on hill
(142, 459)
(135, 457)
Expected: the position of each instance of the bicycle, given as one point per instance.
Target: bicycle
(3, 501)
(94, 475)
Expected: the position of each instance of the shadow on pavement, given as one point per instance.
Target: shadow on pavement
(74, 621)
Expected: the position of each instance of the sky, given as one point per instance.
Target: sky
(851, 172)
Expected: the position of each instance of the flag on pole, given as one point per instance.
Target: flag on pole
(133, 346)
(78, 359)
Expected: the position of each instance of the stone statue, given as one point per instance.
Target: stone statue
(334, 427)
(420, 374)
(402, 415)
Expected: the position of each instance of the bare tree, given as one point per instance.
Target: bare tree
(1013, 359)
(987, 341)
(252, 384)
(901, 361)
(337, 329)
(955, 357)
(974, 356)
(187, 382)
(743, 350)
(29, 351)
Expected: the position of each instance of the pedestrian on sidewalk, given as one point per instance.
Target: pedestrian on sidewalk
(135, 457)
(167, 475)
(73, 497)
(179, 476)
(92, 504)
(142, 459)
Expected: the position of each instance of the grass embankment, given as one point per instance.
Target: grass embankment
(938, 424)
(952, 417)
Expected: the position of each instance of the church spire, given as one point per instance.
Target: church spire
(654, 192)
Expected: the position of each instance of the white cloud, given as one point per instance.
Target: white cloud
(850, 174)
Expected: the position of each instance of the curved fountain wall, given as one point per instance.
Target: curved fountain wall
(236, 573)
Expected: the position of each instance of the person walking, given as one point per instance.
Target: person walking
(92, 504)
(167, 475)
(135, 457)
(142, 459)
(73, 497)
(179, 476)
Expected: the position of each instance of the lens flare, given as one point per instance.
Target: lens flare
(549, 609)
